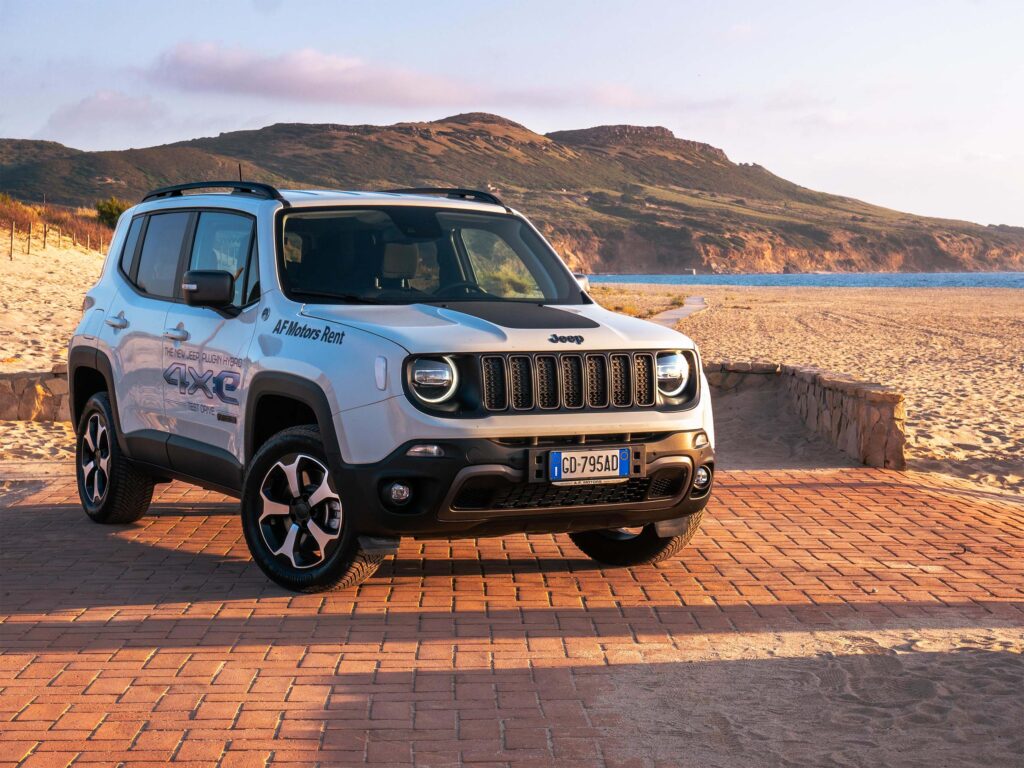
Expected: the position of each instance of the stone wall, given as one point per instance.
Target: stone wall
(863, 419)
(35, 396)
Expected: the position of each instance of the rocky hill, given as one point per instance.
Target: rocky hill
(615, 198)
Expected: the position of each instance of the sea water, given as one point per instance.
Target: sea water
(835, 279)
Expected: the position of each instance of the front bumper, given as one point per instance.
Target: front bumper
(483, 487)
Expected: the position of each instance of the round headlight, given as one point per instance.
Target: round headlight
(673, 373)
(434, 379)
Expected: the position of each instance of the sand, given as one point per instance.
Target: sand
(956, 353)
(41, 303)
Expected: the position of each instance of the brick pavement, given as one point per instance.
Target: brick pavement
(161, 641)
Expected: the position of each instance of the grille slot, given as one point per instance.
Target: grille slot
(520, 382)
(643, 379)
(494, 387)
(572, 381)
(622, 390)
(597, 381)
(548, 393)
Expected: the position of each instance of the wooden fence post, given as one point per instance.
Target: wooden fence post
(28, 240)
(11, 254)
(88, 242)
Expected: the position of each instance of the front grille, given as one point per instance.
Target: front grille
(489, 493)
(568, 380)
(476, 495)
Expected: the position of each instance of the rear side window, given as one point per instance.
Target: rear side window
(223, 242)
(161, 250)
(131, 242)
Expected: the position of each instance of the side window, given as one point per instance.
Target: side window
(161, 249)
(131, 241)
(223, 242)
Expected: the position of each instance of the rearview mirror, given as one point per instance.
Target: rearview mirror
(208, 288)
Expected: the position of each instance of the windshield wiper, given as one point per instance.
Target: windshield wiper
(350, 298)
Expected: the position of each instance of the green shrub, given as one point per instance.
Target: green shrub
(108, 211)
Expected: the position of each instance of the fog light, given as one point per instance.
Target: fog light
(433, 451)
(399, 493)
(702, 478)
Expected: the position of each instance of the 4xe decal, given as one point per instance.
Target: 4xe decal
(554, 338)
(189, 381)
(303, 331)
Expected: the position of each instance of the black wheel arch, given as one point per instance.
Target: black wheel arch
(286, 385)
(87, 367)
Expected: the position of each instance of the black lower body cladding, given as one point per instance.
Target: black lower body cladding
(481, 487)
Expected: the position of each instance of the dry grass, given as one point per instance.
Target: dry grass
(638, 300)
(80, 224)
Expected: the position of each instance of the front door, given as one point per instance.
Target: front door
(206, 353)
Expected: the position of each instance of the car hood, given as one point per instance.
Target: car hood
(500, 327)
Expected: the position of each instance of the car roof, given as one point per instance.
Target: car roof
(312, 198)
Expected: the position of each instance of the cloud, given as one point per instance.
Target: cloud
(304, 75)
(100, 111)
(310, 76)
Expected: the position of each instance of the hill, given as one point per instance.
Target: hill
(613, 198)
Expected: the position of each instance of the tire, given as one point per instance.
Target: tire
(300, 540)
(618, 548)
(111, 488)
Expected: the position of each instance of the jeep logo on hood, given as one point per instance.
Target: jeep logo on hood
(554, 338)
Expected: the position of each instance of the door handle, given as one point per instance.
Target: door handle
(117, 321)
(177, 334)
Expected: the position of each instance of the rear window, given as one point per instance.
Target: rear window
(161, 250)
(131, 242)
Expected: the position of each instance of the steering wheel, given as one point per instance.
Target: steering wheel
(468, 285)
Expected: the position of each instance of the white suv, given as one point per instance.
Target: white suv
(361, 366)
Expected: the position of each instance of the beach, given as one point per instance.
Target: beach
(956, 353)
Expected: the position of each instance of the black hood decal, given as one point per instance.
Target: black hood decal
(514, 314)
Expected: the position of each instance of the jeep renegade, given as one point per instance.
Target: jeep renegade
(361, 366)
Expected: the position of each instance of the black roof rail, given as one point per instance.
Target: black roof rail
(454, 192)
(241, 187)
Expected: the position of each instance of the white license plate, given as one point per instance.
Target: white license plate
(607, 464)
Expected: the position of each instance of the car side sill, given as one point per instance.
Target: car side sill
(186, 459)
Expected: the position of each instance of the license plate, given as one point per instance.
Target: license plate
(605, 465)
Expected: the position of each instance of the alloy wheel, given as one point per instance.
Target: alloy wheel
(95, 458)
(300, 518)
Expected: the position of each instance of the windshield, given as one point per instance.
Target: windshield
(409, 254)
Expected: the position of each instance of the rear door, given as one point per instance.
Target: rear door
(206, 363)
(134, 325)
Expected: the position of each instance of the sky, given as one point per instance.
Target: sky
(917, 106)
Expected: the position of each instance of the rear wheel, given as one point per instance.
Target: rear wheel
(111, 488)
(634, 546)
(293, 517)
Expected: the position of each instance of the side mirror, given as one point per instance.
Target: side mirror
(583, 280)
(208, 288)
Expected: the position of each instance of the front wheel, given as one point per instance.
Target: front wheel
(634, 546)
(293, 518)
